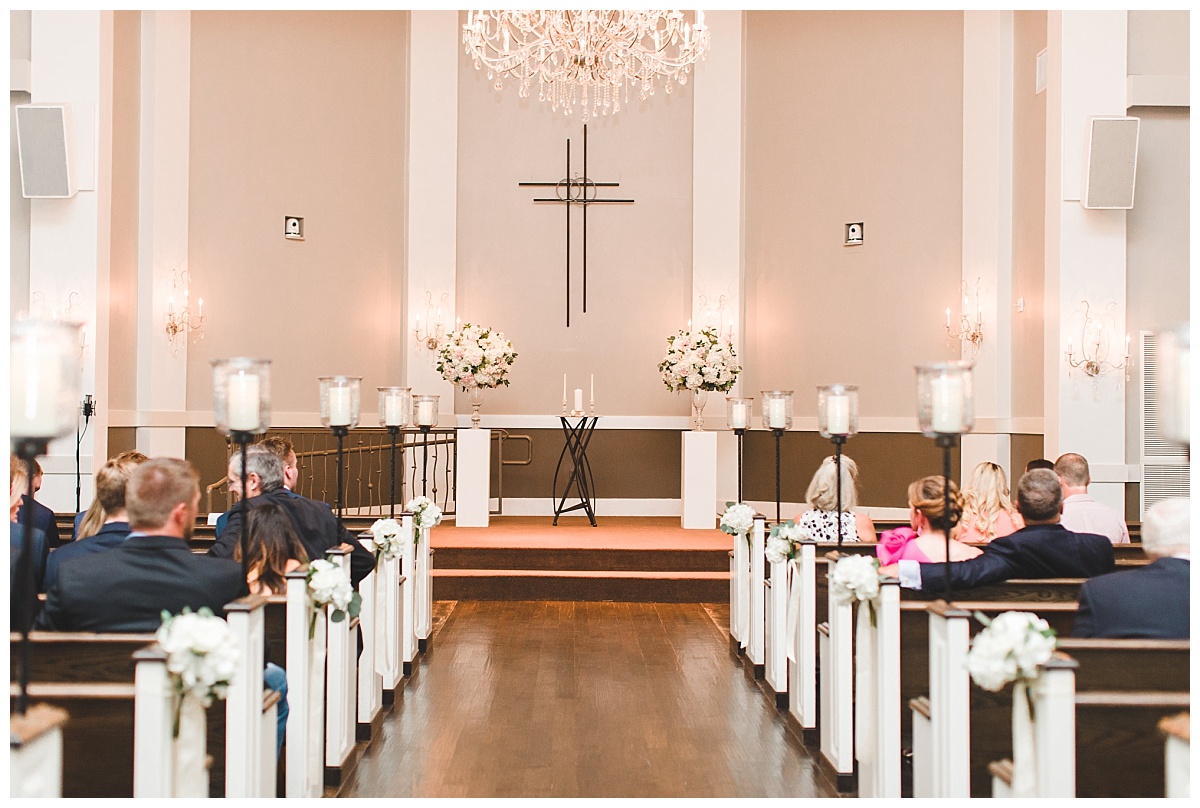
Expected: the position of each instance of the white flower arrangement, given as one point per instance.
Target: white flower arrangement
(201, 656)
(475, 356)
(699, 361)
(737, 519)
(855, 577)
(385, 534)
(781, 543)
(425, 513)
(329, 585)
(1010, 648)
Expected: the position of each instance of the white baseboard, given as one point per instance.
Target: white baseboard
(544, 506)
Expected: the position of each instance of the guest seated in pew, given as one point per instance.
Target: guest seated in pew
(316, 526)
(127, 588)
(1150, 602)
(111, 480)
(90, 521)
(43, 517)
(926, 541)
(275, 550)
(988, 513)
(821, 521)
(18, 483)
(1080, 512)
(1039, 463)
(1041, 549)
(282, 448)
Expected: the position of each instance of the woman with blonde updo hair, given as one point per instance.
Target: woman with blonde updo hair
(988, 513)
(926, 540)
(821, 522)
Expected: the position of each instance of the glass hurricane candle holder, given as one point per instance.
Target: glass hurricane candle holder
(837, 410)
(738, 412)
(45, 382)
(242, 394)
(777, 409)
(425, 410)
(340, 402)
(945, 403)
(1174, 353)
(395, 406)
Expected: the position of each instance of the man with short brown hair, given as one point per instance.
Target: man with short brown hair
(1081, 513)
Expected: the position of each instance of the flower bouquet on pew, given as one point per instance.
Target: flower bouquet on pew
(781, 544)
(385, 535)
(856, 578)
(737, 519)
(329, 585)
(1010, 648)
(201, 656)
(425, 514)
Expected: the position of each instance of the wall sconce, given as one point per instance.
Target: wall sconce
(185, 321)
(435, 328)
(713, 316)
(968, 330)
(1094, 346)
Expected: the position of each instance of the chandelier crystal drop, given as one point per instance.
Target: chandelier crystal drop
(586, 57)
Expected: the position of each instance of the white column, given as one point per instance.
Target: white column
(71, 54)
(433, 55)
(987, 229)
(163, 164)
(1085, 249)
(699, 486)
(474, 477)
(717, 206)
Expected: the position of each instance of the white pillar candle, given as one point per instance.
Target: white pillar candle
(424, 413)
(947, 405)
(339, 406)
(243, 402)
(593, 396)
(393, 410)
(837, 415)
(777, 413)
(578, 400)
(737, 415)
(34, 384)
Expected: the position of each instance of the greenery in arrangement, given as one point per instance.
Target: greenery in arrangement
(699, 361)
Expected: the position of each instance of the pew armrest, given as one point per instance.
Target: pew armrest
(920, 705)
(1002, 770)
(37, 721)
(270, 698)
(1177, 726)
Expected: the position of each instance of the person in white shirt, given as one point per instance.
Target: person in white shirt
(1081, 513)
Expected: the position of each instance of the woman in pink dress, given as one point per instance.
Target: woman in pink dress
(988, 513)
(925, 541)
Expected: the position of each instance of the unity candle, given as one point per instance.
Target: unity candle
(777, 413)
(947, 405)
(578, 400)
(837, 415)
(243, 402)
(339, 406)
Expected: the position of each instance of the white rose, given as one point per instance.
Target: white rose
(779, 549)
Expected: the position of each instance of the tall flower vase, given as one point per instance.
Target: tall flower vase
(699, 399)
(475, 397)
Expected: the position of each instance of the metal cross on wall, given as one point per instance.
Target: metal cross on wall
(577, 190)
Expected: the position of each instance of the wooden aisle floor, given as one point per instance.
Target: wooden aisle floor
(583, 699)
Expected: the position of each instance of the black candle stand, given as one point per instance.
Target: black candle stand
(741, 435)
(946, 443)
(778, 438)
(424, 460)
(340, 432)
(244, 439)
(838, 440)
(393, 431)
(26, 449)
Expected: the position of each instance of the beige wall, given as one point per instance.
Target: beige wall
(1159, 43)
(123, 269)
(1029, 215)
(851, 116)
(298, 113)
(18, 206)
(511, 251)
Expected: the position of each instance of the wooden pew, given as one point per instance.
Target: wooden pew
(1176, 756)
(756, 642)
(35, 752)
(372, 589)
(775, 637)
(341, 678)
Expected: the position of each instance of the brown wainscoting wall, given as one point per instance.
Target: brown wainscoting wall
(121, 439)
(1022, 449)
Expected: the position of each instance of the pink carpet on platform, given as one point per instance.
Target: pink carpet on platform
(611, 533)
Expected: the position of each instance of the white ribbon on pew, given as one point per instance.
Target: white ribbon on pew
(1025, 775)
(793, 611)
(379, 618)
(864, 693)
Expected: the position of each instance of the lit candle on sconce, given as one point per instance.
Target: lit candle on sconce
(947, 317)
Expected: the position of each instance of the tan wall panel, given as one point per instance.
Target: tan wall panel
(1022, 449)
(123, 269)
(120, 439)
(298, 113)
(851, 116)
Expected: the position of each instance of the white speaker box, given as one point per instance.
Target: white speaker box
(45, 151)
(1110, 165)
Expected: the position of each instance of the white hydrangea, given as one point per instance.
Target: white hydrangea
(385, 534)
(201, 655)
(698, 362)
(855, 577)
(1010, 647)
(329, 584)
(425, 513)
(737, 519)
(779, 549)
(475, 356)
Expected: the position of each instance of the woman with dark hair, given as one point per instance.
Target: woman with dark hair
(275, 549)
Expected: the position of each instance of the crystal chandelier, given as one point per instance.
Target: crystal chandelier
(586, 57)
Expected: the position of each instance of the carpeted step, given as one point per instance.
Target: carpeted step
(583, 559)
(649, 586)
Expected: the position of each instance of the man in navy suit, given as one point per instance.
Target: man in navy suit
(282, 448)
(43, 517)
(1150, 602)
(316, 526)
(1042, 549)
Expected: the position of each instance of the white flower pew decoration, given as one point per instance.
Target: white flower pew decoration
(425, 514)
(1010, 648)
(781, 543)
(385, 535)
(856, 578)
(737, 519)
(201, 656)
(329, 585)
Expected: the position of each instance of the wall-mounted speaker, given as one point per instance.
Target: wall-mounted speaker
(1110, 166)
(45, 151)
